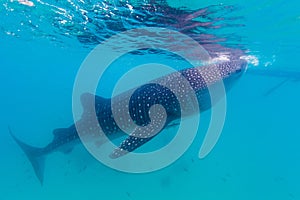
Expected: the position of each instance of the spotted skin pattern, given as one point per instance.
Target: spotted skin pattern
(140, 126)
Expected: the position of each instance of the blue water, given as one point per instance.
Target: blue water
(257, 155)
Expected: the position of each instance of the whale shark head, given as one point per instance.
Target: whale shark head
(231, 71)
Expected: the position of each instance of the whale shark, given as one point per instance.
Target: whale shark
(143, 125)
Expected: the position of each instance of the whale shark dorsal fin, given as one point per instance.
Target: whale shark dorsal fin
(87, 101)
(90, 101)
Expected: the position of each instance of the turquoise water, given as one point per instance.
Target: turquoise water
(257, 155)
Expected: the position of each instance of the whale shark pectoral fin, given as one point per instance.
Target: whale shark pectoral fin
(137, 138)
(141, 135)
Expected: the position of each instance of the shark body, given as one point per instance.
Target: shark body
(142, 125)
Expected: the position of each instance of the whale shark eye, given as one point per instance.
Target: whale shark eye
(239, 70)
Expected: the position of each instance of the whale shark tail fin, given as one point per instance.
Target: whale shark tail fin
(35, 155)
